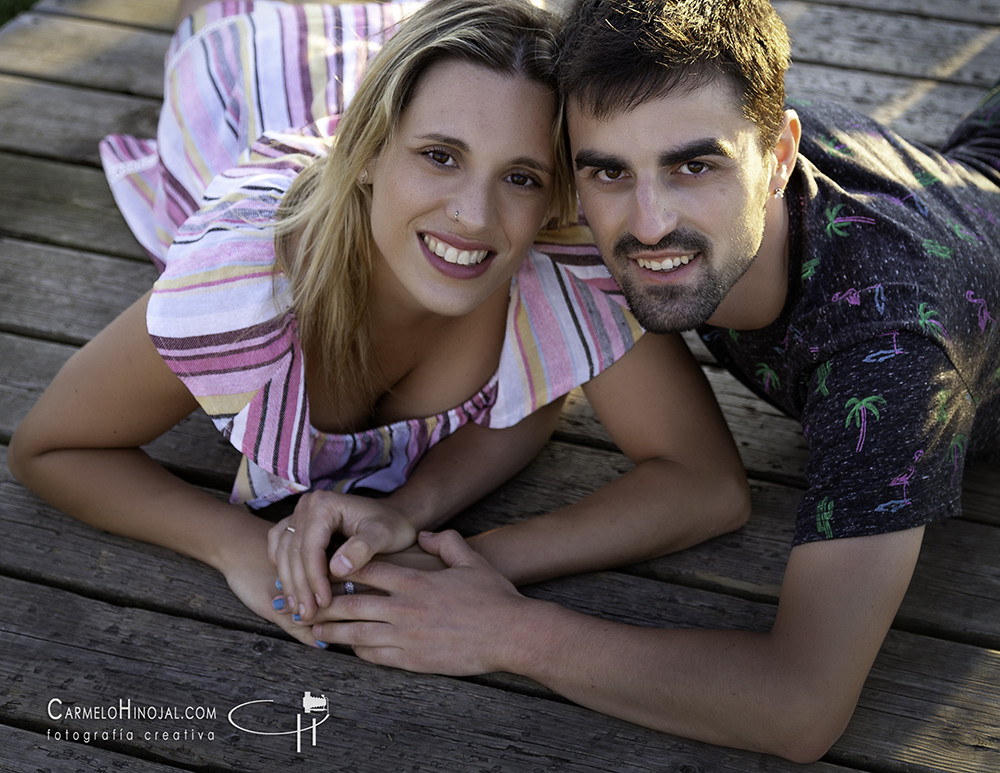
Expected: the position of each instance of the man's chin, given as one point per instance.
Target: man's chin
(667, 309)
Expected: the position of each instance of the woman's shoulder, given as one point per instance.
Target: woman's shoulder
(568, 321)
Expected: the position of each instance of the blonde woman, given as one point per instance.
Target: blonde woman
(353, 288)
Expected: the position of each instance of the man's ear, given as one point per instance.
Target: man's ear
(786, 149)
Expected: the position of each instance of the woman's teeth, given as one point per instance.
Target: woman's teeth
(666, 264)
(451, 254)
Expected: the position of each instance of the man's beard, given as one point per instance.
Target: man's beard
(672, 308)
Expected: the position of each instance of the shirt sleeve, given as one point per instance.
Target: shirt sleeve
(887, 425)
(568, 321)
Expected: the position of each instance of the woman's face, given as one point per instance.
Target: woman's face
(472, 142)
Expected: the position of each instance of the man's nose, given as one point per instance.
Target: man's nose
(653, 213)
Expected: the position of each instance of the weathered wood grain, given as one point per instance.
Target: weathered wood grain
(66, 123)
(89, 653)
(93, 615)
(90, 54)
(64, 204)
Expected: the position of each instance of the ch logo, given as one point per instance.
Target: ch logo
(312, 705)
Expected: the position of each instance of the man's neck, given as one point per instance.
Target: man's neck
(758, 298)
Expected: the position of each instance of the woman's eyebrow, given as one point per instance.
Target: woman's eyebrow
(462, 145)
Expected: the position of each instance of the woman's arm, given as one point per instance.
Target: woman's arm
(79, 448)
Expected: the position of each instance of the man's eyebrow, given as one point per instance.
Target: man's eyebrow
(709, 146)
(591, 158)
(694, 149)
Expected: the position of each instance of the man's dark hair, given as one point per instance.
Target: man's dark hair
(618, 54)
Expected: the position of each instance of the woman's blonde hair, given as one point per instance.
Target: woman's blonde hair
(330, 262)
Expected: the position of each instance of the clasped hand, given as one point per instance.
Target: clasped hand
(297, 545)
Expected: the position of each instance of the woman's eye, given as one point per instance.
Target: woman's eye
(441, 157)
(523, 180)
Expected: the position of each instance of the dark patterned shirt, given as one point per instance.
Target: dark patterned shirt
(887, 349)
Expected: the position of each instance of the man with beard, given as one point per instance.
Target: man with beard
(846, 275)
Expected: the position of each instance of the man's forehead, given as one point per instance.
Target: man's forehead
(660, 123)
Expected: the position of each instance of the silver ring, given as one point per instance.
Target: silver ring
(289, 528)
(349, 587)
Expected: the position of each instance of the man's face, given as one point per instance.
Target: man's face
(674, 192)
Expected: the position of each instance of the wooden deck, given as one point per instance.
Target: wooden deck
(115, 655)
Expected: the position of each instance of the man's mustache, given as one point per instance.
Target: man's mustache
(628, 246)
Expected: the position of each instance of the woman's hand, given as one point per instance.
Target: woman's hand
(297, 545)
(252, 579)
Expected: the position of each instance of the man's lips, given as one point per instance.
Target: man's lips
(666, 263)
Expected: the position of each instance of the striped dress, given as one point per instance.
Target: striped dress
(252, 94)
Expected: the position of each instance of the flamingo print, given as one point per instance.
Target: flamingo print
(984, 313)
(904, 479)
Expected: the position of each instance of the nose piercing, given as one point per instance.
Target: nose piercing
(456, 215)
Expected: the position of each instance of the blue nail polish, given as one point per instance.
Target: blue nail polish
(277, 584)
(296, 617)
(321, 644)
(278, 604)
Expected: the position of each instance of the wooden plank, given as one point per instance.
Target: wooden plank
(66, 123)
(151, 14)
(30, 752)
(62, 204)
(90, 54)
(56, 646)
(94, 562)
(986, 11)
(65, 295)
(158, 660)
(920, 111)
(159, 14)
(893, 43)
(958, 572)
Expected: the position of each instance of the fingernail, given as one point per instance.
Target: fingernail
(278, 603)
(277, 584)
(322, 644)
(296, 617)
(342, 566)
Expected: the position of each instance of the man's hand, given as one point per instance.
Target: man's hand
(443, 622)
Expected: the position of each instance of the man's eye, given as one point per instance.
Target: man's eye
(610, 174)
(694, 167)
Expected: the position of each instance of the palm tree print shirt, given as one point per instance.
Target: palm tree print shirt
(887, 349)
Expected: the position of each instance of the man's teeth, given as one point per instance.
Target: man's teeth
(454, 255)
(666, 264)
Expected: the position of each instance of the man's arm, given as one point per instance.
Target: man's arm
(688, 483)
(788, 692)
